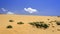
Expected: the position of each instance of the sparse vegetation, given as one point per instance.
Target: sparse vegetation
(39, 24)
(45, 26)
(20, 23)
(9, 26)
(31, 23)
(11, 21)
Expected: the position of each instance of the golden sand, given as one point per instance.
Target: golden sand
(27, 28)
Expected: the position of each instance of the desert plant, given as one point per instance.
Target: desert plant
(45, 26)
(39, 24)
(20, 23)
(9, 26)
(10, 20)
(31, 23)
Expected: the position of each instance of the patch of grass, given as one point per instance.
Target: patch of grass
(39, 24)
(11, 21)
(31, 23)
(45, 26)
(20, 23)
(9, 26)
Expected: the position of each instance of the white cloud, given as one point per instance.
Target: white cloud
(6, 11)
(3, 9)
(30, 10)
(10, 13)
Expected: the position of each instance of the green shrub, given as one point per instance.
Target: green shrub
(39, 24)
(45, 26)
(9, 26)
(11, 21)
(31, 23)
(20, 23)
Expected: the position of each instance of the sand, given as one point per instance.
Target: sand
(27, 28)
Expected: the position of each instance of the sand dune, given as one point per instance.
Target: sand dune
(27, 28)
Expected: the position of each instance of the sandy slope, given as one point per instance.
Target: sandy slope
(27, 28)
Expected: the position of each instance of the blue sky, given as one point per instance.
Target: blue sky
(42, 7)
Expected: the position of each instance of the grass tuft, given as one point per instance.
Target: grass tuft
(11, 21)
(20, 23)
(39, 24)
(9, 26)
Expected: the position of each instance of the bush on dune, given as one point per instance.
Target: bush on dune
(39, 24)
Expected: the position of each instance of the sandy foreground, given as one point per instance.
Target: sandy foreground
(27, 28)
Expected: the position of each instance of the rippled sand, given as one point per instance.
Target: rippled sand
(27, 28)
